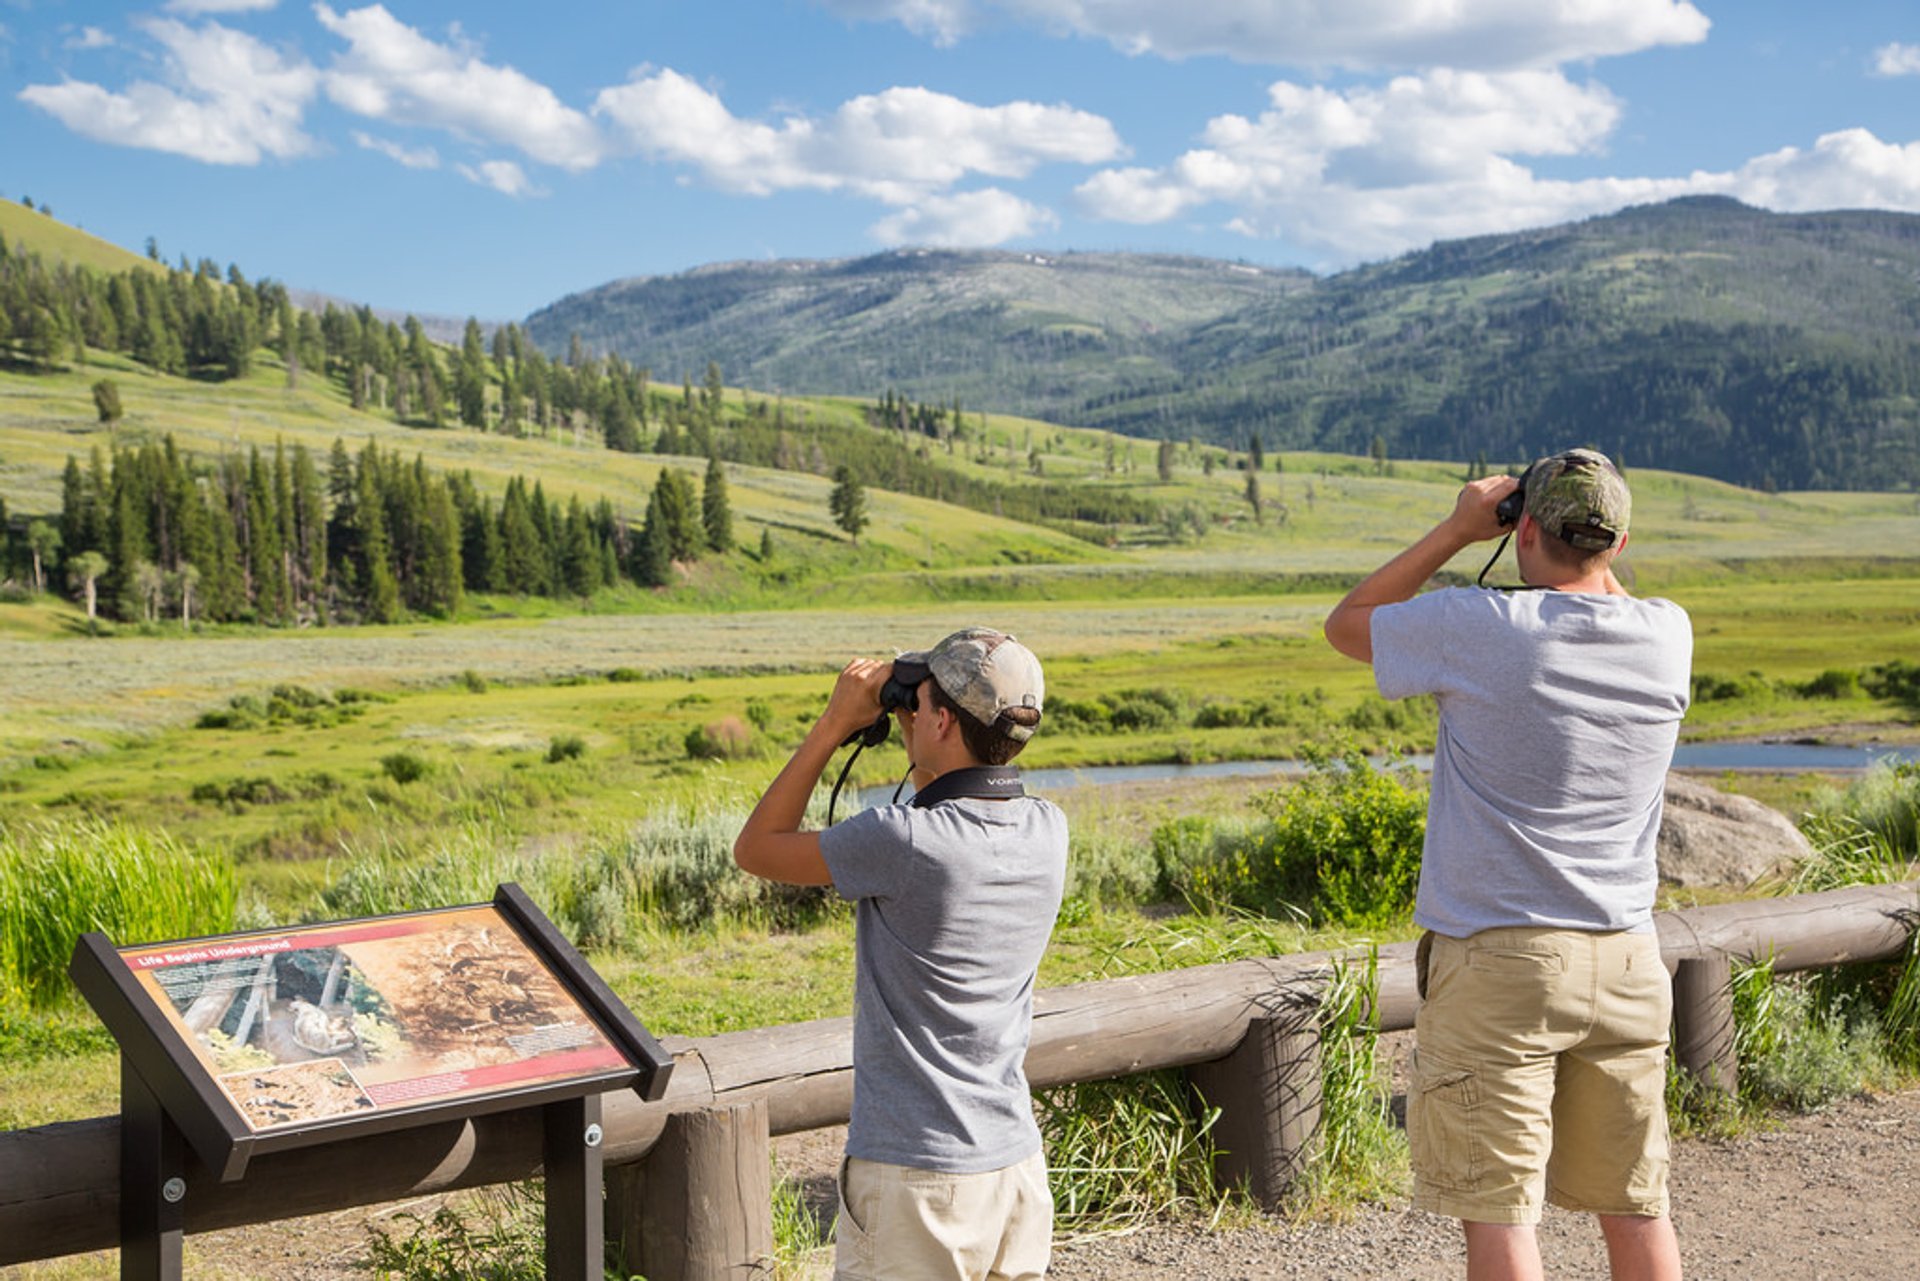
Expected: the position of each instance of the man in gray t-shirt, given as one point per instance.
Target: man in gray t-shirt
(1539, 1068)
(955, 895)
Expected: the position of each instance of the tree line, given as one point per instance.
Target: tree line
(276, 538)
(203, 323)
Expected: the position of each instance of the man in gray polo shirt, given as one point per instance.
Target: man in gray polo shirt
(1539, 1071)
(955, 896)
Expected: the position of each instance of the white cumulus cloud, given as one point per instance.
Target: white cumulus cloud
(411, 157)
(898, 146)
(1375, 171)
(89, 38)
(228, 99)
(964, 220)
(1897, 60)
(1473, 34)
(391, 72)
(503, 176)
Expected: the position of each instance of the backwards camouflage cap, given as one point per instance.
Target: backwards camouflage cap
(1580, 498)
(984, 672)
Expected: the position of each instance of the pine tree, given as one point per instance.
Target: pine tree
(579, 557)
(106, 401)
(675, 512)
(522, 558)
(381, 602)
(716, 512)
(653, 554)
(848, 502)
(470, 381)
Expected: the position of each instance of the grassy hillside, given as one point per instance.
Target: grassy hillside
(52, 239)
(1016, 332)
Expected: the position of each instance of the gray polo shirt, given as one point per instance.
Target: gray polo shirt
(1558, 716)
(953, 908)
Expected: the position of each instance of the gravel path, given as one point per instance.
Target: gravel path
(1830, 1195)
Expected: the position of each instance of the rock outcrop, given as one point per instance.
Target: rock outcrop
(1708, 837)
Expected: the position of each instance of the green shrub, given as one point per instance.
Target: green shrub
(1710, 688)
(626, 675)
(59, 881)
(473, 682)
(404, 767)
(1898, 680)
(1136, 710)
(1342, 844)
(760, 714)
(565, 747)
(1802, 1042)
(726, 739)
(466, 866)
(1106, 867)
(676, 870)
(1835, 682)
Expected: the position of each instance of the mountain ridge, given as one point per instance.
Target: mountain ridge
(1701, 334)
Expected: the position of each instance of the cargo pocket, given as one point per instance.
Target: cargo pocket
(1441, 1122)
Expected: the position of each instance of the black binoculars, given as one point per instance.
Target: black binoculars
(896, 694)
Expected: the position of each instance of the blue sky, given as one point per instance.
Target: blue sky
(487, 159)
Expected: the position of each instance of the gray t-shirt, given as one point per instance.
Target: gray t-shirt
(1558, 716)
(953, 907)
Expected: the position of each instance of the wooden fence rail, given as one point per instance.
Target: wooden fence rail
(59, 1183)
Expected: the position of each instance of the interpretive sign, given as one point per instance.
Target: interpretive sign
(296, 1026)
(282, 1037)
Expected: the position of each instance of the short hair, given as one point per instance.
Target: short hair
(987, 744)
(1565, 555)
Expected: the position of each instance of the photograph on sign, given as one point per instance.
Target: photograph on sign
(305, 1025)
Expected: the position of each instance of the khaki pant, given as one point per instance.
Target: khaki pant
(1540, 1073)
(898, 1223)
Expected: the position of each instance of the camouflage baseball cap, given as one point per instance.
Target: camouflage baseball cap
(985, 672)
(1580, 498)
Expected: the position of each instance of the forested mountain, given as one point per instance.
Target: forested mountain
(1700, 335)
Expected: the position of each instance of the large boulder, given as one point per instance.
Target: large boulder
(1708, 837)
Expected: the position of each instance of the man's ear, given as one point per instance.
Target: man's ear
(1527, 532)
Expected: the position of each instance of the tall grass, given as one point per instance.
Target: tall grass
(1126, 1151)
(61, 880)
(669, 870)
(1362, 1156)
(1865, 834)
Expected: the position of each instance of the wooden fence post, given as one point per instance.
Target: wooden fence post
(1268, 1093)
(1703, 1021)
(699, 1206)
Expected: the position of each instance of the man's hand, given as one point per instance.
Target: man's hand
(771, 844)
(1474, 519)
(855, 701)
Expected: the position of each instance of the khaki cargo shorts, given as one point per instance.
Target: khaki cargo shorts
(1540, 1073)
(898, 1223)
